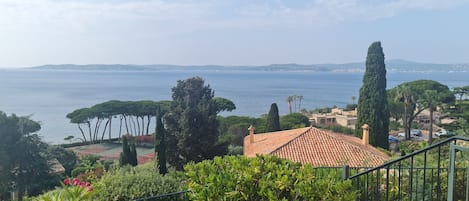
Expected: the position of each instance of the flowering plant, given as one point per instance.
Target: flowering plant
(75, 189)
(72, 190)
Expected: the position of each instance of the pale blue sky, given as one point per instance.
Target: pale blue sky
(230, 32)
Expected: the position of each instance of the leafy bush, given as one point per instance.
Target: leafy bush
(129, 183)
(72, 190)
(262, 178)
(340, 129)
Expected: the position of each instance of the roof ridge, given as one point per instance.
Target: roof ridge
(335, 136)
(358, 145)
(290, 141)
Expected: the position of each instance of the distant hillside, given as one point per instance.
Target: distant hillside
(391, 65)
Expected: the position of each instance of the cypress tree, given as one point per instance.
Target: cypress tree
(273, 119)
(372, 102)
(192, 125)
(160, 145)
(133, 155)
(125, 154)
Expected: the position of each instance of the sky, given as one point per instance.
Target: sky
(230, 32)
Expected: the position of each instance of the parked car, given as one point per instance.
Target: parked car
(444, 133)
(415, 132)
(393, 139)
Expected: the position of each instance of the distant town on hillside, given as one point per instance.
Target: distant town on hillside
(395, 65)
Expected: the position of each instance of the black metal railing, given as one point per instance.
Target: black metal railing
(421, 175)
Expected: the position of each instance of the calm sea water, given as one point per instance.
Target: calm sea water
(49, 95)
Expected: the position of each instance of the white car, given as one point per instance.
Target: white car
(444, 133)
(415, 132)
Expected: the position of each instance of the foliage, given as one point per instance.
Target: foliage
(394, 125)
(66, 157)
(419, 95)
(130, 183)
(262, 178)
(192, 125)
(89, 168)
(223, 104)
(134, 115)
(160, 144)
(233, 129)
(235, 150)
(322, 110)
(372, 101)
(24, 157)
(273, 119)
(72, 190)
(128, 155)
(340, 129)
(293, 120)
(350, 107)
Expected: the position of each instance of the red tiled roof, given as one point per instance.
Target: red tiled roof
(316, 147)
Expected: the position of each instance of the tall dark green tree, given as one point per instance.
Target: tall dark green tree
(133, 155)
(125, 154)
(372, 101)
(192, 126)
(24, 163)
(160, 144)
(273, 119)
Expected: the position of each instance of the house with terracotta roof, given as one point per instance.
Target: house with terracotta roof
(314, 146)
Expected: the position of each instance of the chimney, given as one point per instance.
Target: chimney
(366, 134)
(251, 133)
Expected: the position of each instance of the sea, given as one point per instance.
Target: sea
(47, 96)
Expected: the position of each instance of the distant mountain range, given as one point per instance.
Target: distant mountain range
(395, 65)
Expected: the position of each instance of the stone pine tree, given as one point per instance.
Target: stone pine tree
(372, 103)
(192, 126)
(273, 119)
(160, 144)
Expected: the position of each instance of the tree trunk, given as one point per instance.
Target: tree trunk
(138, 125)
(430, 130)
(133, 125)
(148, 123)
(126, 125)
(406, 123)
(110, 126)
(104, 131)
(120, 126)
(143, 125)
(89, 130)
(82, 133)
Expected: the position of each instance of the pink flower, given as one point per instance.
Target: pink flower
(67, 181)
(76, 181)
(87, 184)
(89, 188)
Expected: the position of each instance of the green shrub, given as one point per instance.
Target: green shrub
(129, 183)
(79, 170)
(262, 178)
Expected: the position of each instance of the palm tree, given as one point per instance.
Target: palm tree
(289, 101)
(404, 94)
(295, 97)
(431, 100)
(353, 99)
(300, 98)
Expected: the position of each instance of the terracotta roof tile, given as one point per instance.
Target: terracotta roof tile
(316, 147)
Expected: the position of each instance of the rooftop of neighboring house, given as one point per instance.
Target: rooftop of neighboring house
(315, 146)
